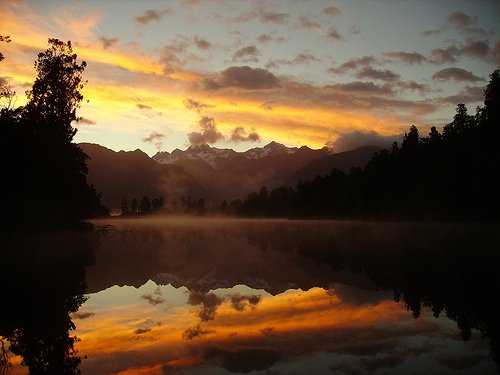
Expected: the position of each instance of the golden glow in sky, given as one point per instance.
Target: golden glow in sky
(300, 73)
(156, 326)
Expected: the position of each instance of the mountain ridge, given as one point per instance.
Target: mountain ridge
(214, 174)
(227, 174)
(212, 155)
(133, 174)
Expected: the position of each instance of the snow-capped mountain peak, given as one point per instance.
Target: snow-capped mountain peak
(213, 156)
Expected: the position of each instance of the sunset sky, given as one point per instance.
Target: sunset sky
(239, 74)
(160, 329)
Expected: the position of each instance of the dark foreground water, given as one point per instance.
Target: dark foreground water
(183, 296)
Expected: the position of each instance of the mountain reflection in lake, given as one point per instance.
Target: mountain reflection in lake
(238, 296)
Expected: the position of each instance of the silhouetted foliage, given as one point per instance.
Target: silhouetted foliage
(453, 175)
(45, 172)
(6, 39)
(124, 206)
(134, 206)
(145, 207)
(157, 204)
(35, 309)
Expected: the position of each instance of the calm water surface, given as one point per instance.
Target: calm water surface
(208, 296)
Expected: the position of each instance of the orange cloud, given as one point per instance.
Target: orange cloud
(121, 76)
(314, 314)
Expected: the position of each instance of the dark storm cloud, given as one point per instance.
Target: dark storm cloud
(247, 54)
(143, 106)
(456, 74)
(331, 10)
(243, 77)
(86, 121)
(201, 43)
(82, 315)
(409, 58)
(196, 105)
(150, 15)
(353, 64)
(192, 333)
(107, 42)
(383, 75)
(333, 34)
(358, 138)
(209, 134)
(239, 134)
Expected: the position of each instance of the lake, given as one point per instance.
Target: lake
(221, 296)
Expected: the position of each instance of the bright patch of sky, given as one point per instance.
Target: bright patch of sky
(316, 69)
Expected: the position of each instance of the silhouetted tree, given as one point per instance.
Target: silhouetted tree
(134, 206)
(47, 182)
(453, 175)
(157, 204)
(145, 207)
(124, 206)
(55, 96)
(6, 39)
(200, 207)
(39, 328)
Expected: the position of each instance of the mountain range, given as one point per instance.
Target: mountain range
(227, 174)
(133, 174)
(211, 173)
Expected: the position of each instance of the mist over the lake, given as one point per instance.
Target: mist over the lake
(226, 187)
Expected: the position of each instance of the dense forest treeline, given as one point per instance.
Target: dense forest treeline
(185, 205)
(448, 175)
(43, 171)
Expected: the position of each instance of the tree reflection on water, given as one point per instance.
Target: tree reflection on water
(450, 269)
(43, 282)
